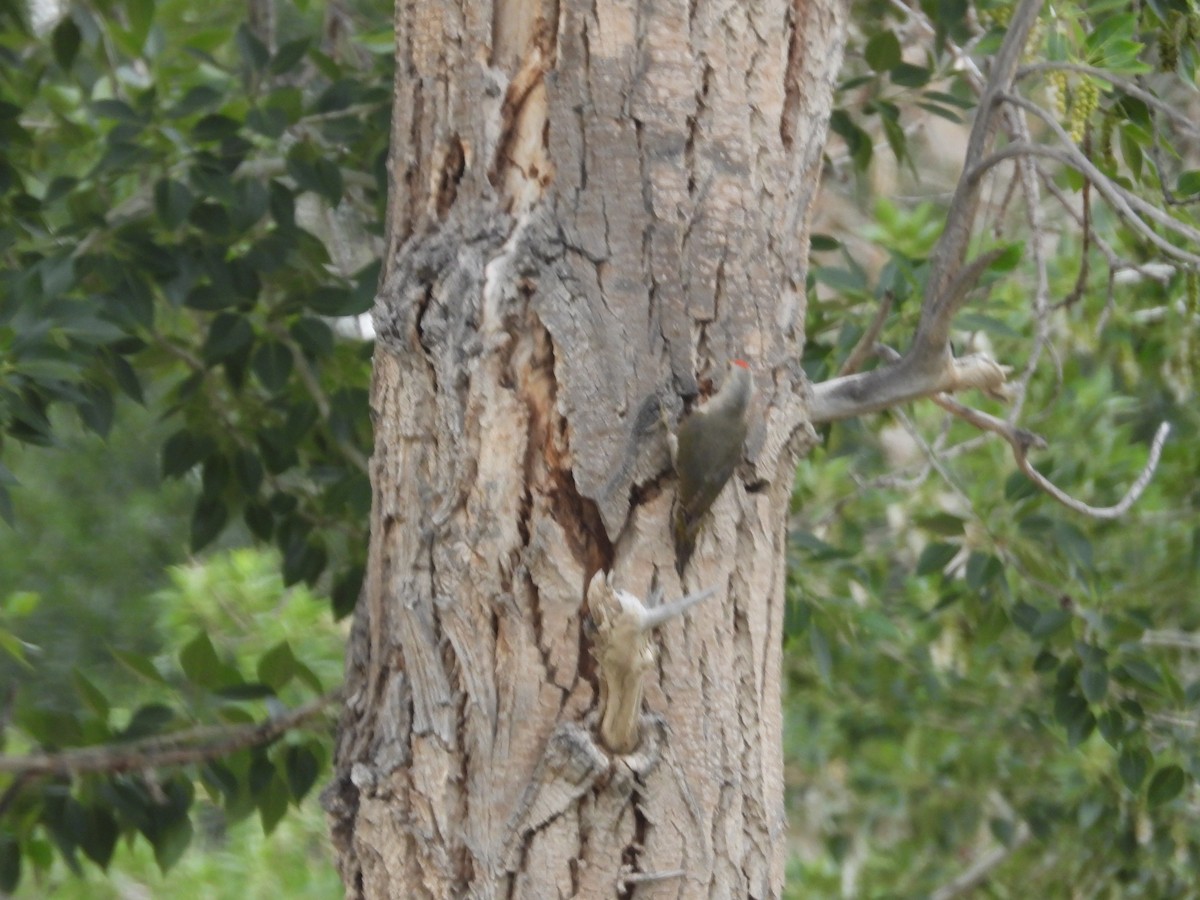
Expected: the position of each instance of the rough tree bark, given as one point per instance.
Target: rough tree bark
(594, 207)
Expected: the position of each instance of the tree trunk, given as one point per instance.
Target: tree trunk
(594, 207)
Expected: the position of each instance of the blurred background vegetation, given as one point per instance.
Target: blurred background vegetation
(190, 215)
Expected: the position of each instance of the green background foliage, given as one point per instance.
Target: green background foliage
(183, 430)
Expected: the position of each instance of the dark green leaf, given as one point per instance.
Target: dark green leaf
(254, 52)
(1112, 726)
(65, 41)
(247, 691)
(272, 364)
(1188, 183)
(228, 334)
(200, 663)
(208, 521)
(172, 202)
(1094, 681)
(91, 696)
(277, 666)
(883, 51)
(1165, 786)
(908, 75)
(196, 99)
(302, 767)
(116, 109)
(935, 557)
(272, 802)
(147, 720)
(171, 842)
(346, 590)
(139, 665)
(183, 450)
(127, 379)
(1049, 621)
(10, 863)
(98, 838)
(289, 55)
(314, 337)
(1132, 764)
(215, 127)
(259, 520)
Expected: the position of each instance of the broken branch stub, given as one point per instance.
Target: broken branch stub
(624, 651)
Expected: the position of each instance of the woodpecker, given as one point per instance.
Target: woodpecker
(706, 450)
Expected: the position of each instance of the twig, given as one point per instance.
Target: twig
(1022, 441)
(866, 344)
(165, 750)
(976, 873)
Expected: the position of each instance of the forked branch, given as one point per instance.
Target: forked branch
(929, 367)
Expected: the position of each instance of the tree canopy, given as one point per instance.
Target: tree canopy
(983, 682)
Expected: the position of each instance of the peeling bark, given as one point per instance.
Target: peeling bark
(594, 207)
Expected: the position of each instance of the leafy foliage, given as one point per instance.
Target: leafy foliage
(974, 669)
(175, 200)
(161, 222)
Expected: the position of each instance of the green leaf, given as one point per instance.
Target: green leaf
(116, 109)
(1112, 726)
(1166, 785)
(1132, 764)
(200, 663)
(346, 591)
(183, 450)
(272, 803)
(91, 696)
(247, 691)
(139, 665)
(272, 363)
(1048, 622)
(208, 521)
(277, 666)
(99, 836)
(289, 55)
(148, 720)
(259, 520)
(1094, 681)
(883, 51)
(253, 52)
(65, 41)
(171, 842)
(172, 202)
(908, 75)
(198, 98)
(301, 766)
(10, 863)
(227, 335)
(935, 557)
(1188, 183)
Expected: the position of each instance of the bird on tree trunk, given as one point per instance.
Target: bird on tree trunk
(706, 450)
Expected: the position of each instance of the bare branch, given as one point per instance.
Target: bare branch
(947, 258)
(929, 367)
(902, 382)
(1022, 441)
(193, 746)
(976, 873)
